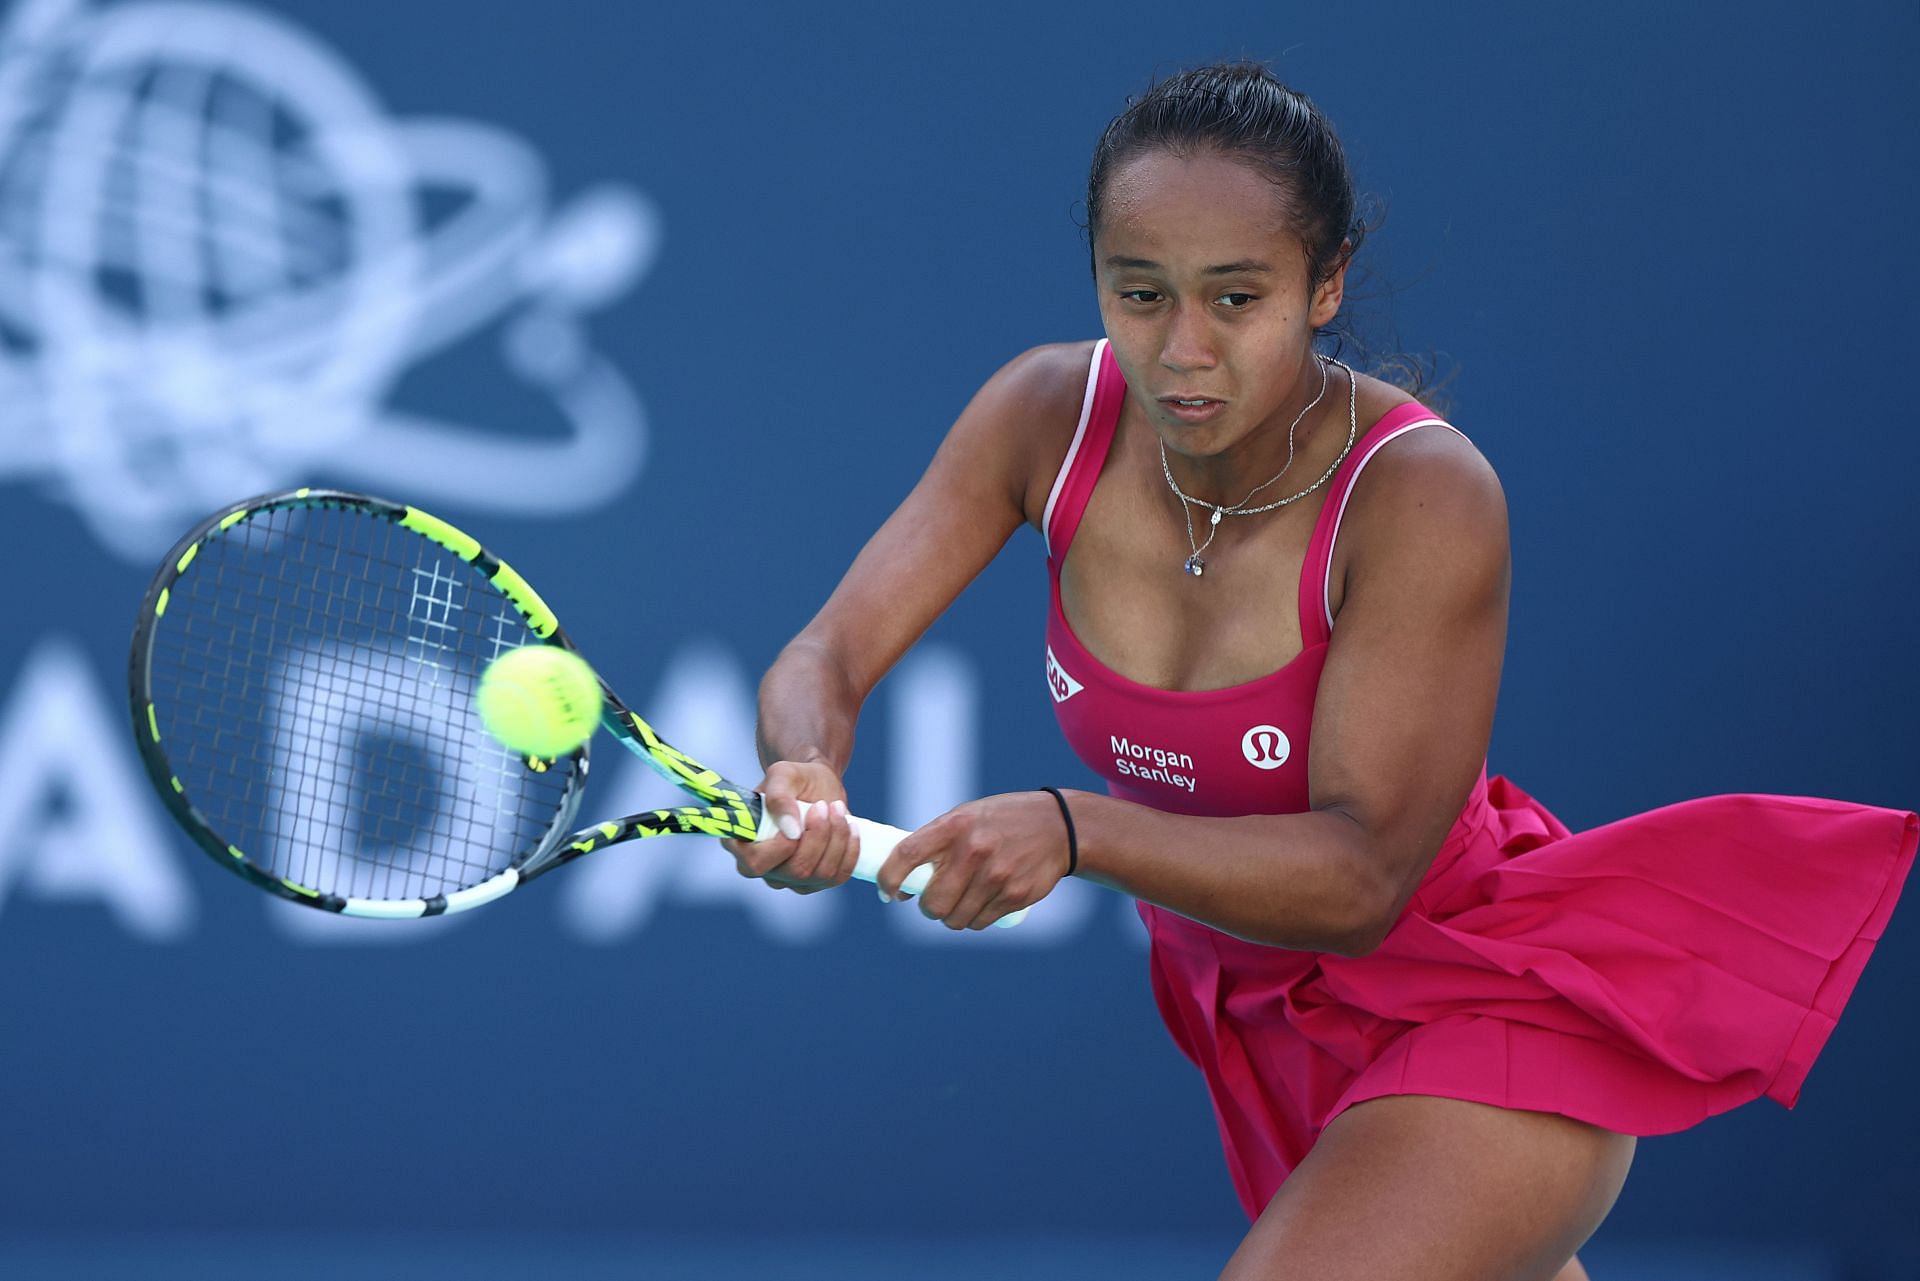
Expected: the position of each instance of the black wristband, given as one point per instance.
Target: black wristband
(1073, 838)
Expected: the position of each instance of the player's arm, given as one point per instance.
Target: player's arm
(986, 479)
(1400, 729)
(988, 476)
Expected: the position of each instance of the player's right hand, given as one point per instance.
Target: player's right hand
(817, 847)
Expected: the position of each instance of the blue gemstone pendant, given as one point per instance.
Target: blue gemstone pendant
(1195, 565)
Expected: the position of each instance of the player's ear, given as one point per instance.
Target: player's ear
(1331, 292)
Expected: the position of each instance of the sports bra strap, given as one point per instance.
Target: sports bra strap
(1316, 587)
(1087, 455)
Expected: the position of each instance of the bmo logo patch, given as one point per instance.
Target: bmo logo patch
(1062, 686)
(1265, 747)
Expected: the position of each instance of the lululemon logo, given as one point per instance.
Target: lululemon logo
(1061, 685)
(1265, 747)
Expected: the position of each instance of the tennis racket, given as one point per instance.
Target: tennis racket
(302, 678)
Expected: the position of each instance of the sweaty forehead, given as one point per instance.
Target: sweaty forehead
(1206, 204)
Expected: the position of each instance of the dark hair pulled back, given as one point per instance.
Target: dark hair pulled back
(1240, 110)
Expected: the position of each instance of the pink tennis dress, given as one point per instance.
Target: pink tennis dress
(1641, 976)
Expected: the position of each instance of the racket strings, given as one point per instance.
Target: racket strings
(312, 680)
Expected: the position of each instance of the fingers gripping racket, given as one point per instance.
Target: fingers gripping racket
(302, 680)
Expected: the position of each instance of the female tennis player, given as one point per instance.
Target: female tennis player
(1431, 1019)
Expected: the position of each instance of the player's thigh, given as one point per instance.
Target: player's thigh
(1411, 1186)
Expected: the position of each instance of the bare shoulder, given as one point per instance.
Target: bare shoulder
(1050, 376)
(1428, 503)
(1028, 412)
(1430, 467)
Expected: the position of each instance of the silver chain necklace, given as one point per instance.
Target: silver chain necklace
(1195, 564)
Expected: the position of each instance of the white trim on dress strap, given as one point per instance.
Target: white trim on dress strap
(1073, 450)
(1326, 584)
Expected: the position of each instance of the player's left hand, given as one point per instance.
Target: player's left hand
(991, 857)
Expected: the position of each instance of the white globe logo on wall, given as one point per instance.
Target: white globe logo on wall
(219, 255)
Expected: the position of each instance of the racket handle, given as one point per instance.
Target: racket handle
(877, 840)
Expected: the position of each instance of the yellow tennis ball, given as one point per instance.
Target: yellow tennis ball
(539, 699)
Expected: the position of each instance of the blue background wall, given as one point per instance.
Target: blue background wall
(1666, 251)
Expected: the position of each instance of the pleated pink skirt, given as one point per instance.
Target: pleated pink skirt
(1641, 976)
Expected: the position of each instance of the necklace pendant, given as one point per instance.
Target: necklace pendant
(1195, 566)
(1217, 514)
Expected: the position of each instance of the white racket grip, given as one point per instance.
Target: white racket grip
(877, 840)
